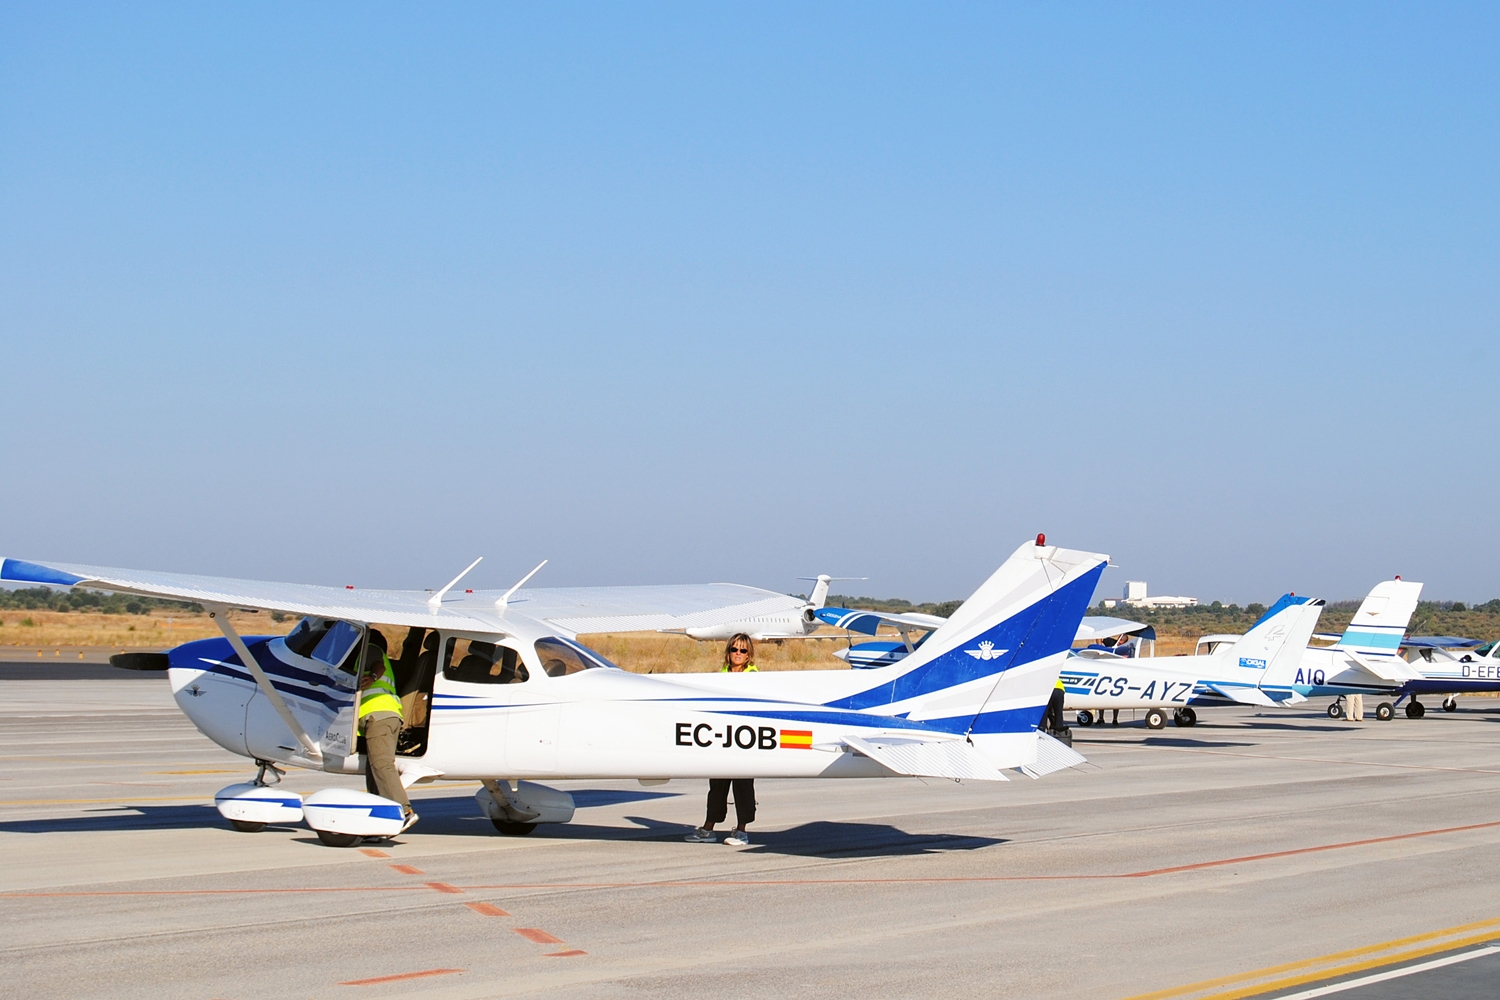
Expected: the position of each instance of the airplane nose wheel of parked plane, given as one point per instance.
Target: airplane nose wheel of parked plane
(1085, 718)
(1336, 709)
(1415, 709)
(512, 829)
(1449, 705)
(1185, 717)
(261, 781)
(1155, 718)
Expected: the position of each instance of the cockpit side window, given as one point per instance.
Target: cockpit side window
(474, 661)
(560, 657)
(336, 643)
(304, 638)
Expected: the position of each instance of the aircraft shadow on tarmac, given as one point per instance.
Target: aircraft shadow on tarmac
(1178, 741)
(824, 839)
(449, 815)
(1301, 726)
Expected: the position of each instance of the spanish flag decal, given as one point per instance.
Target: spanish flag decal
(796, 739)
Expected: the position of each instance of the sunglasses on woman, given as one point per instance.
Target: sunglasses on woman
(739, 651)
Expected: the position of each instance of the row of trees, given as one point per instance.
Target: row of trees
(45, 599)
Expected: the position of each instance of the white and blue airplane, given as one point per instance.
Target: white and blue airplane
(1098, 680)
(514, 696)
(774, 624)
(1450, 666)
(1095, 681)
(1365, 660)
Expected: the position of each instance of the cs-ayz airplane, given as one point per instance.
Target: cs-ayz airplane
(497, 689)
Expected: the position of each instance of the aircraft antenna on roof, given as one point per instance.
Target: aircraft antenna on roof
(504, 600)
(436, 600)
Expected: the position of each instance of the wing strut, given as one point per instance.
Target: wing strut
(220, 614)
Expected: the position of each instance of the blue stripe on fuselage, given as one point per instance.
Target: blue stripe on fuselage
(217, 656)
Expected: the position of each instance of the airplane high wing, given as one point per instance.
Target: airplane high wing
(493, 687)
(567, 610)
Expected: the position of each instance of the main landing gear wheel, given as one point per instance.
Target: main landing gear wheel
(1336, 711)
(244, 826)
(1155, 718)
(1385, 711)
(1086, 718)
(512, 829)
(1450, 705)
(1185, 717)
(339, 839)
(1415, 710)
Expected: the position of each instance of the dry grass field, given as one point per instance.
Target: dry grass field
(53, 629)
(646, 653)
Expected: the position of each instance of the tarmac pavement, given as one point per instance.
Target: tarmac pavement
(1258, 853)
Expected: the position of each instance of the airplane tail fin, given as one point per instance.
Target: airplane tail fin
(1380, 623)
(990, 669)
(1268, 637)
(819, 595)
(1289, 630)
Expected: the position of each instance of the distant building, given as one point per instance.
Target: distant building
(1135, 597)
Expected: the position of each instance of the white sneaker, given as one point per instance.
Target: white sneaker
(702, 836)
(411, 819)
(738, 838)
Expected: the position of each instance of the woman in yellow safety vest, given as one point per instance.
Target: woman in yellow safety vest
(380, 721)
(739, 657)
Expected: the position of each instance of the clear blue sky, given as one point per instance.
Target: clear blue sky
(355, 293)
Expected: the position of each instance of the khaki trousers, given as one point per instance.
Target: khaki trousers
(1356, 708)
(381, 730)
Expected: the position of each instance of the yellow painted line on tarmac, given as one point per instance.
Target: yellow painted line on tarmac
(1491, 932)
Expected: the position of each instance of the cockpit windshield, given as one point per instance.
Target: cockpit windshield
(560, 657)
(321, 639)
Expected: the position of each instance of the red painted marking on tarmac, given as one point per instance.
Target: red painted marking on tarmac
(370, 852)
(693, 884)
(564, 954)
(397, 978)
(1308, 850)
(407, 870)
(487, 909)
(537, 936)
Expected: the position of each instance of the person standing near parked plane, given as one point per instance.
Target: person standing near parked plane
(739, 657)
(380, 722)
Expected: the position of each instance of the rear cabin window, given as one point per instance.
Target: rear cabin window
(560, 657)
(474, 661)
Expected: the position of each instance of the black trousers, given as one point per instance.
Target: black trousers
(744, 800)
(1052, 720)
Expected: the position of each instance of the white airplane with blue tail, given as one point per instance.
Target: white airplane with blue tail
(499, 690)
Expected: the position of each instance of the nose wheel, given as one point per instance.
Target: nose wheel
(1185, 717)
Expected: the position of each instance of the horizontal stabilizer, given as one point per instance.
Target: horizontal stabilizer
(1254, 696)
(1392, 668)
(955, 759)
(1052, 755)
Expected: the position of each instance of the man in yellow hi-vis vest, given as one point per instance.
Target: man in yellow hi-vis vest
(380, 721)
